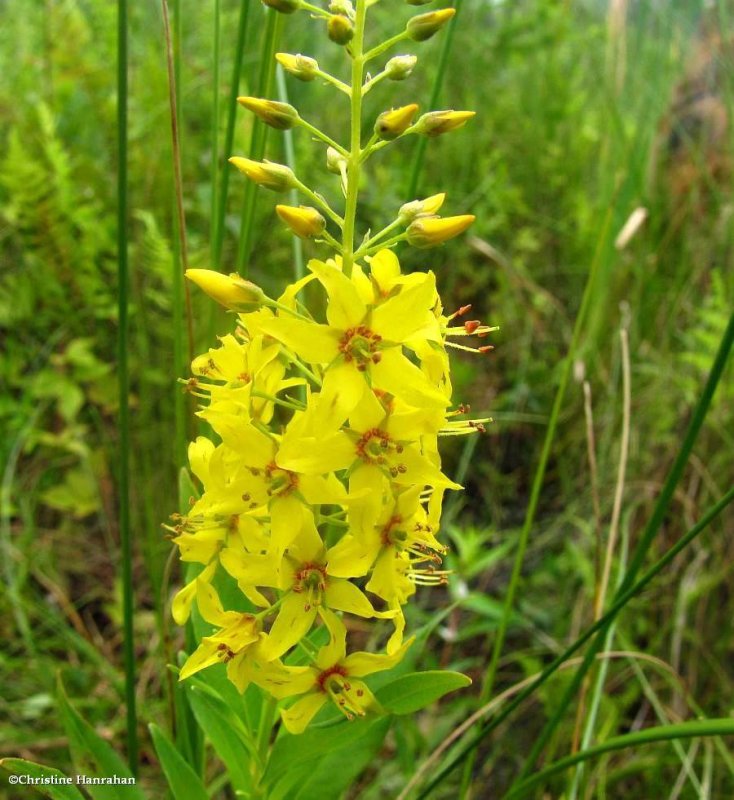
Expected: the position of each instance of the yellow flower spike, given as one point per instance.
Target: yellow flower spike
(339, 29)
(283, 6)
(434, 123)
(400, 67)
(394, 123)
(231, 291)
(304, 221)
(280, 116)
(432, 231)
(424, 26)
(421, 208)
(267, 174)
(302, 67)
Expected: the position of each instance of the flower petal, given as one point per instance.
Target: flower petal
(400, 317)
(181, 605)
(205, 655)
(299, 715)
(335, 649)
(317, 344)
(293, 622)
(399, 376)
(341, 595)
(360, 664)
(286, 519)
(346, 308)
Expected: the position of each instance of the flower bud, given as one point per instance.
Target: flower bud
(334, 161)
(340, 29)
(283, 6)
(231, 291)
(304, 68)
(434, 123)
(343, 7)
(421, 208)
(400, 67)
(278, 115)
(432, 231)
(277, 177)
(424, 26)
(304, 221)
(394, 123)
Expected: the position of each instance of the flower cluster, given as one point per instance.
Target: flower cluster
(323, 492)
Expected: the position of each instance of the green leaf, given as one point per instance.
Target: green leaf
(226, 733)
(18, 766)
(184, 783)
(92, 756)
(327, 775)
(417, 690)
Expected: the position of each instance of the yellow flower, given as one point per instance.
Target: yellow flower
(236, 634)
(267, 174)
(302, 67)
(301, 573)
(280, 116)
(394, 123)
(424, 26)
(304, 221)
(432, 231)
(335, 677)
(363, 342)
(434, 123)
(231, 291)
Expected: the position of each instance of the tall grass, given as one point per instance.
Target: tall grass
(123, 478)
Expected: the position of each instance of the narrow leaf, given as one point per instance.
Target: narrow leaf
(184, 783)
(222, 728)
(18, 766)
(94, 757)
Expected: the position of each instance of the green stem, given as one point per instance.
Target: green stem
(229, 134)
(599, 628)
(259, 137)
(381, 48)
(319, 134)
(355, 138)
(319, 200)
(340, 85)
(660, 733)
(443, 60)
(290, 160)
(124, 388)
(215, 132)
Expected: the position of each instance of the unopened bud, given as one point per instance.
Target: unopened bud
(283, 6)
(267, 174)
(304, 221)
(432, 231)
(231, 291)
(340, 29)
(400, 67)
(278, 115)
(421, 208)
(334, 160)
(394, 123)
(343, 7)
(424, 26)
(434, 123)
(304, 68)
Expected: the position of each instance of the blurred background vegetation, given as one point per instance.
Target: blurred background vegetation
(588, 111)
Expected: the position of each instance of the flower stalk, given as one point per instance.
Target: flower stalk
(322, 486)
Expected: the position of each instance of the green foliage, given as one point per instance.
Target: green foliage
(574, 131)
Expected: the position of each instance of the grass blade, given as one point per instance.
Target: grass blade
(660, 733)
(599, 627)
(124, 388)
(259, 136)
